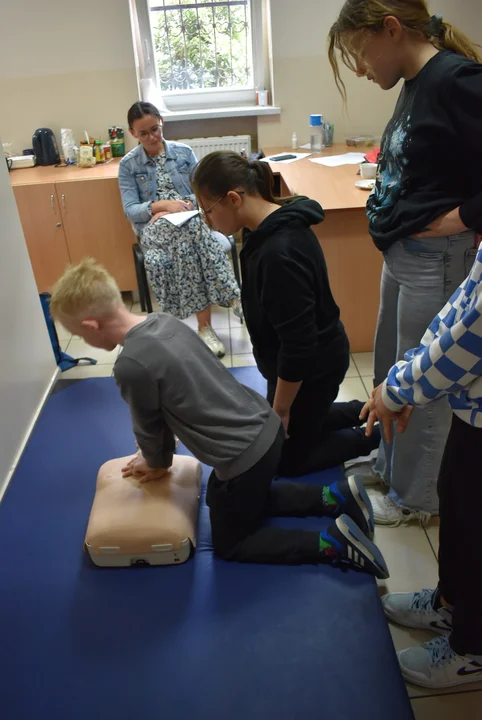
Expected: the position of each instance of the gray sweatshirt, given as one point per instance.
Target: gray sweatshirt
(174, 384)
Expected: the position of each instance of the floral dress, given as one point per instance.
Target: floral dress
(186, 266)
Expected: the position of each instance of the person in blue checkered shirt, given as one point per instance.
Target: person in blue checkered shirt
(447, 362)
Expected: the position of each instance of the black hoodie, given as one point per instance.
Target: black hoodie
(292, 318)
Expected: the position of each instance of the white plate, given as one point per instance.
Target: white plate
(365, 184)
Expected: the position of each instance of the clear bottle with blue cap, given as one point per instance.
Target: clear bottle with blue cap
(316, 133)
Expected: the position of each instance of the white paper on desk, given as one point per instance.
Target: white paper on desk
(299, 156)
(350, 158)
(180, 218)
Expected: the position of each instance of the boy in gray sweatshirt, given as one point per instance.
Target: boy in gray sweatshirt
(174, 385)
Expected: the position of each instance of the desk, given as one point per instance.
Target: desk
(58, 228)
(354, 263)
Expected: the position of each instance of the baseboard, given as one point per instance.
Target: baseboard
(28, 433)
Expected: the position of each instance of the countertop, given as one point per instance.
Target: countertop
(334, 188)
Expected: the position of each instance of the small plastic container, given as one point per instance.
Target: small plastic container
(107, 152)
(316, 133)
(117, 143)
(360, 141)
(99, 151)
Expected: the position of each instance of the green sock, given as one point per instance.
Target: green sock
(324, 544)
(328, 498)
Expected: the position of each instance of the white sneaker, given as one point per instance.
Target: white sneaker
(386, 512)
(208, 335)
(436, 665)
(418, 610)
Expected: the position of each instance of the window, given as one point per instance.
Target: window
(206, 54)
(201, 45)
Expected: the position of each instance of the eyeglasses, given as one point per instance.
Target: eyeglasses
(157, 130)
(205, 213)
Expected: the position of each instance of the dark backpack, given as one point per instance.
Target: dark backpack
(64, 361)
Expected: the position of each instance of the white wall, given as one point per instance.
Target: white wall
(64, 64)
(27, 364)
(303, 79)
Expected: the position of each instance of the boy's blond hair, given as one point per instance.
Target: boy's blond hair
(85, 290)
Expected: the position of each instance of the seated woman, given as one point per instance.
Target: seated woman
(187, 266)
(299, 342)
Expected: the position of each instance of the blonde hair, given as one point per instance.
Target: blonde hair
(85, 290)
(368, 16)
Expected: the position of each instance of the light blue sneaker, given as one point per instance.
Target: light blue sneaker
(418, 610)
(436, 665)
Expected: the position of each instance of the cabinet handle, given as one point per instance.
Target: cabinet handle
(63, 201)
(52, 202)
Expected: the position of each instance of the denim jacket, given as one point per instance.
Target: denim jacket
(137, 180)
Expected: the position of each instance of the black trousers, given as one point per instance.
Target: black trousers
(460, 553)
(239, 507)
(323, 433)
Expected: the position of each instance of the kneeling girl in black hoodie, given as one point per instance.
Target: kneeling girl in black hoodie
(299, 342)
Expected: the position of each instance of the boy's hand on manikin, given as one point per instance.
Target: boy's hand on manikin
(138, 468)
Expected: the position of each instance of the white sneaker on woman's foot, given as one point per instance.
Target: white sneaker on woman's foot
(207, 334)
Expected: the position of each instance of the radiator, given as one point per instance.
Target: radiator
(204, 146)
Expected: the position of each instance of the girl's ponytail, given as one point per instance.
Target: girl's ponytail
(453, 39)
(222, 171)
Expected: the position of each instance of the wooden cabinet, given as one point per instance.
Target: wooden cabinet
(44, 232)
(95, 226)
(64, 222)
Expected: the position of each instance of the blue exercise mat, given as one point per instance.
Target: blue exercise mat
(207, 640)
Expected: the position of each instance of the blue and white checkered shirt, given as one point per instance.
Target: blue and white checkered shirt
(449, 359)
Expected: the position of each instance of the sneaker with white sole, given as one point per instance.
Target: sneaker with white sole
(208, 335)
(435, 665)
(345, 544)
(386, 512)
(349, 497)
(418, 610)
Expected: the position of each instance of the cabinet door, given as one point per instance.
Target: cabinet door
(44, 233)
(95, 226)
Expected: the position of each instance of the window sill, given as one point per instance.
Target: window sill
(220, 112)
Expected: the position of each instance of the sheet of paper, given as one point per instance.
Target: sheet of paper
(180, 218)
(299, 156)
(351, 158)
(306, 146)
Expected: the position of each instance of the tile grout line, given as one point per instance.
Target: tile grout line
(430, 543)
(460, 692)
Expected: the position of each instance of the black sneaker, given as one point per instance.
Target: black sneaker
(352, 500)
(349, 546)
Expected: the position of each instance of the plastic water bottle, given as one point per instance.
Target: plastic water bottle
(316, 133)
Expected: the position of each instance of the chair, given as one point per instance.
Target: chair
(228, 244)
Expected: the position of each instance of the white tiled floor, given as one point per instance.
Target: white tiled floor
(410, 551)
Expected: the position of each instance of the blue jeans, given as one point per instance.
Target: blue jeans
(418, 278)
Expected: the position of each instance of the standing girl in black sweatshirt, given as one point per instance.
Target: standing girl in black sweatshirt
(425, 210)
(299, 342)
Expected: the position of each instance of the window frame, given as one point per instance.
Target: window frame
(205, 98)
